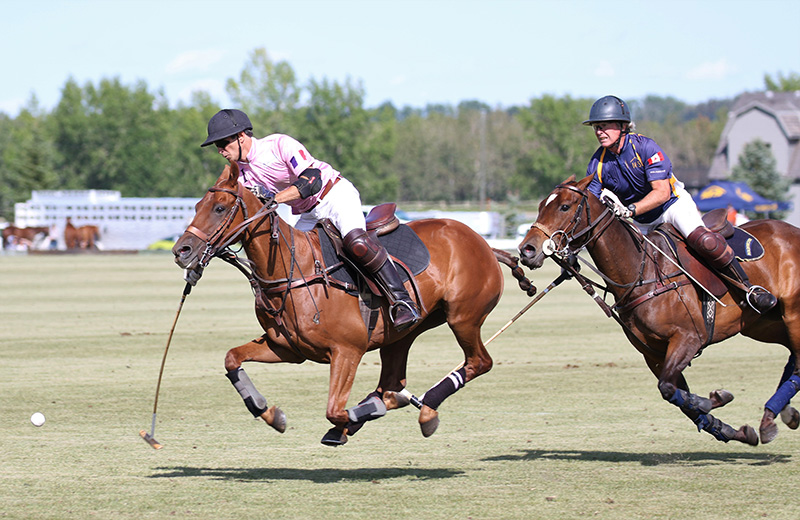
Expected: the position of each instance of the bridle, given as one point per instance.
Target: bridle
(569, 241)
(217, 244)
(224, 235)
(565, 244)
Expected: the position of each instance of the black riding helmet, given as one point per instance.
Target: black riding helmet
(226, 123)
(607, 108)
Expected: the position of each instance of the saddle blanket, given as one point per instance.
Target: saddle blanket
(402, 244)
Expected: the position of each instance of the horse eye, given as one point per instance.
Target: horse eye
(564, 207)
(219, 208)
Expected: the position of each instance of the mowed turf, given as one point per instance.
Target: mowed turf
(568, 424)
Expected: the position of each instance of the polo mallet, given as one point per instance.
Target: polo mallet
(149, 437)
(563, 276)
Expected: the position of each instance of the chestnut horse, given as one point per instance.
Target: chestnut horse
(660, 310)
(306, 317)
(29, 234)
(83, 237)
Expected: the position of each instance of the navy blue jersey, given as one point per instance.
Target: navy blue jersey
(629, 174)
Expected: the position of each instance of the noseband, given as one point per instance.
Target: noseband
(223, 235)
(574, 240)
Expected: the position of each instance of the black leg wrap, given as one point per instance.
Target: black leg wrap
(253, 400)
(721, 431)
(445, 388)
(691, 404)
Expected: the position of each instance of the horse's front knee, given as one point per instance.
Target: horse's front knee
(232, 361)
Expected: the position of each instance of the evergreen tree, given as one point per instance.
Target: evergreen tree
(757, 168)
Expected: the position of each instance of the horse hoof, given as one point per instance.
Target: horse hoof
(334, 437)
(428, 421)
(768, 430)
(395, 400)
(747, 434)
(275, 418)
(720, 398)
(790, 416)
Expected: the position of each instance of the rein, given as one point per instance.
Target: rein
(218, 245)
(564, 246)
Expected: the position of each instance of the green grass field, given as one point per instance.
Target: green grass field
(568, 424)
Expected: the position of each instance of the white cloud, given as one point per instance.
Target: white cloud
(604, 69)
(194, 61)
(711, 70)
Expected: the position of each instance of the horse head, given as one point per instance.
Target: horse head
(221, 218)
(564, 224)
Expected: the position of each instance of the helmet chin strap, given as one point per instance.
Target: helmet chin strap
(239, 144)
(616, 144)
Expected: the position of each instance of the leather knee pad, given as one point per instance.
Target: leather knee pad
(711, 246)
(365, 250)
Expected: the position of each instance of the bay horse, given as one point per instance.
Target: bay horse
(660, 309)
(305, 316)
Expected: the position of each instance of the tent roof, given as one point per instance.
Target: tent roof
(721, 194)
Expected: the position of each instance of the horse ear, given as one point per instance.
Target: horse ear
(571, 178)
(583, 183)
(229, 175)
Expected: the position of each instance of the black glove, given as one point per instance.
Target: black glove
(266, 196)
(192, 275)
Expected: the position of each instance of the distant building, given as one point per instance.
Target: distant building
(773, 117)
(124, 223)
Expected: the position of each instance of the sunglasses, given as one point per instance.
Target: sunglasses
(222, 143)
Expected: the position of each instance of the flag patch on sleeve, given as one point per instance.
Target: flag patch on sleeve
(302, 154)
(657, 157)
(294, 162)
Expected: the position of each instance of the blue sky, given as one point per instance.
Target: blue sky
(409, 52)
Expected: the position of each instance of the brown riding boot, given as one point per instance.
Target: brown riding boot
(373, 257)
(713, 248)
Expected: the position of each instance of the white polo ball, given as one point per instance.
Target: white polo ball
(37, 419)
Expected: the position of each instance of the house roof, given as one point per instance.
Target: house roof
(783, 106)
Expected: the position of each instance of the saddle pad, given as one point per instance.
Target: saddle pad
(746, 246)
(402, 244)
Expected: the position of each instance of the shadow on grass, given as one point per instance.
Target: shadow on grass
(697, 458)
(318, 475)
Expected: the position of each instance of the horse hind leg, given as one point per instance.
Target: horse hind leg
(779, 404)
(776, 405)
(476, 364)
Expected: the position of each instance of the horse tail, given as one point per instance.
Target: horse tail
(506, 258)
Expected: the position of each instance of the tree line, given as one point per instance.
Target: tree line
(128, 138)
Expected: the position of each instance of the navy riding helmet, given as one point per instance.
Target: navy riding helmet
(608, 108)
(226, 123)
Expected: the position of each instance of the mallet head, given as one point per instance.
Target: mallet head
(150, 440)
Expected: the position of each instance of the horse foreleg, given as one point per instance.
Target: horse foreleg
(344, 362)
(257, 350)
(696, 408)
(394, 358)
